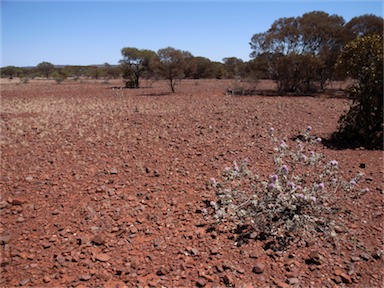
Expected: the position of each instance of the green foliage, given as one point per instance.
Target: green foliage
(135, 64)
(9, 72)
(171, 65)
(364, 25)
(362, 59)
(199, 67)
(234, 68)
(45, 68)
(299, 53)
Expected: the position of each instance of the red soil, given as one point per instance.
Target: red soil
(104, 187)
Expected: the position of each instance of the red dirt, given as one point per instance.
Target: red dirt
(104, 187)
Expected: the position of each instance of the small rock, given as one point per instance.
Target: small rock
(193, 251)
(369, 179)
(85, 277)
(102, 257)
(201, 282)
(337, 279)
(362, 165)
(377, 254)
(293, 281)
(227, 266)
(355, 258)
(28, 178)
(270, 252)
(18, 201)
(113, 171)
(55, 212)
(314, 258)
(24, 282)
(3, 204)
(365, 256)
(162, 271)
(346, 278)
(133, 229)
(20, 219)
(253, 255)
(280, 284)
(46, 279)
(46, 245)
(240, 270)
(4, 239)
(338, 272)
(258, 268)
(228, 280)
(98, 240)
(4, 262)
(214, 251)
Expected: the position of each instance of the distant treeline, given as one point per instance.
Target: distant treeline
(299, 53)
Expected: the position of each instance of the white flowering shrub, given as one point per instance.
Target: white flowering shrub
(294, 201)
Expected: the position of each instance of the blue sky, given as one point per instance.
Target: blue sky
(93, 32)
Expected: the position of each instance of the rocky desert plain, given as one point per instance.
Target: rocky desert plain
(108, 187)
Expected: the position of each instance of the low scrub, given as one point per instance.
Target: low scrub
(295, 202)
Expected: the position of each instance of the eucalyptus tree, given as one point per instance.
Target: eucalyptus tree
(135, 64)
(45, 68)
(171, 65)
(301, 50)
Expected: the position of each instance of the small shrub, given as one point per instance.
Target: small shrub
(294, 202)
(24, 80)
(363, 123)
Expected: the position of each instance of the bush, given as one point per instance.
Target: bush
(294, 202)
(363, 123)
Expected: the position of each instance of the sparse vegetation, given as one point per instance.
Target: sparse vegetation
(363, 123)
(296, 201)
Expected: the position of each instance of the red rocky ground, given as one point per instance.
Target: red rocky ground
(105, 187)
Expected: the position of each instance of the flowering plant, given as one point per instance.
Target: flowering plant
(294, 201)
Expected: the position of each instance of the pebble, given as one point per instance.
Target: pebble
(18, 201)
(337, 279)
(214, 251)
(102, 257)
(3, 204)
(85, 277)
(258, 268)
(280, 284)
(346, 278)
(46, 245)
(228, 280)
(193, 251)
(365, 256)
(293, 281)
(98, 240)
(314, 258)
(162, 271)
(201, 282)
(24, 282)
(355, 258)
(253, 255)
(21, 219)
(4, 239)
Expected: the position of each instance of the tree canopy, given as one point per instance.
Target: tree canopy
(46, 68)
(300, 51)
(363, 60)
(135, 64)
(171, 65)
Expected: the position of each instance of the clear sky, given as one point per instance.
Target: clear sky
(93, 32)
